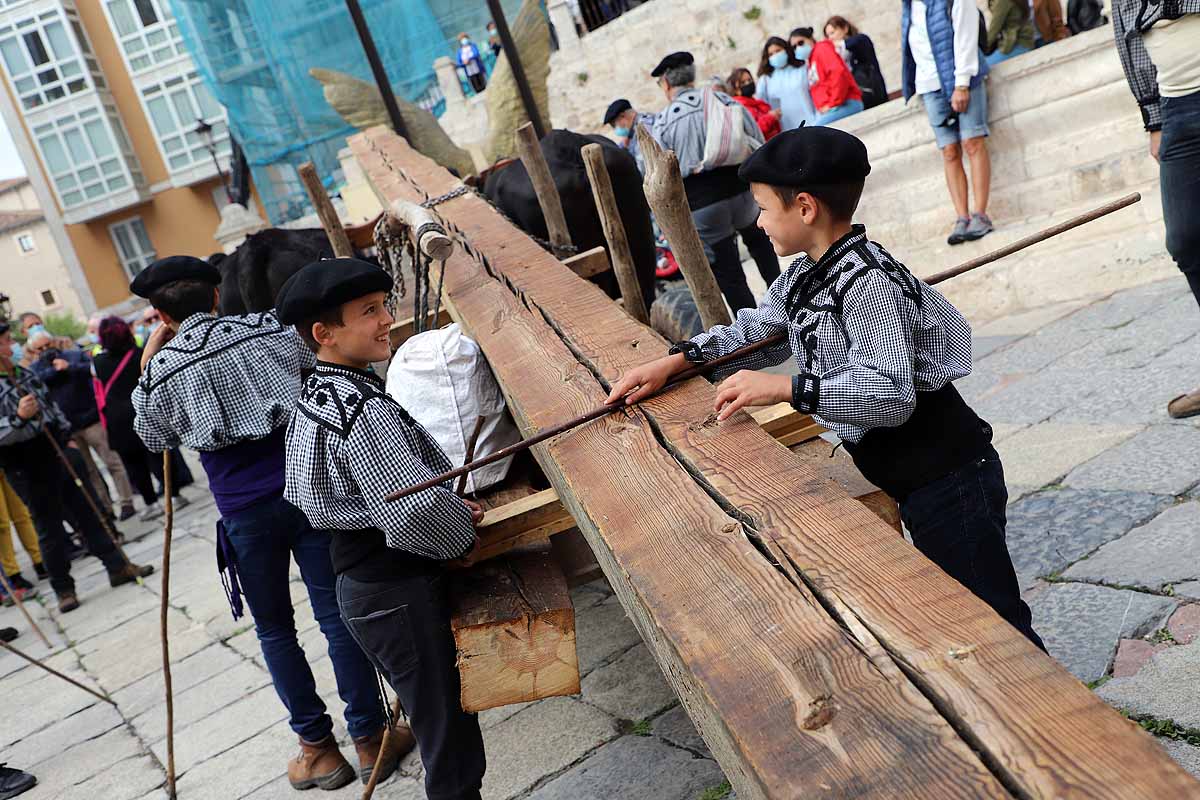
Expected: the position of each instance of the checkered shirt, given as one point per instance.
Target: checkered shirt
(13, 429)
(349, 445)
(866, 334)
(219, 382)
(1130, 19)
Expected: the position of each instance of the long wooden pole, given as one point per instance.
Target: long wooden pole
(518, 69)
(377, 71)
(614, 233)
(56, 673)
(8, 587)
(325, 211)
(530, 149)
(664, 192)
(169, 526)
(701, 369)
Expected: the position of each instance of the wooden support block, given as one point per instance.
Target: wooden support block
(402, 330)
(589, 262)
(514, 627)
(531, 519)
(787, 425)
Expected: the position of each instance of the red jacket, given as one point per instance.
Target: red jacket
(830, 82)
(768, 123)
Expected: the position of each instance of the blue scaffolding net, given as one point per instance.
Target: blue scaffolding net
(255, 57)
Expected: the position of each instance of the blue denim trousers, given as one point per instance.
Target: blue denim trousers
(266, 537)
(1179, 173)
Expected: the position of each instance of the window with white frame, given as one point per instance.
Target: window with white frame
(25, 242)
(84, 160)
(133, 245)
(48, 58)
(148, 34)
(175, 106)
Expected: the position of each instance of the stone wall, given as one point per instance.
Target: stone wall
(588, 73)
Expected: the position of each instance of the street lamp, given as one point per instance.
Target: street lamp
(205, 132)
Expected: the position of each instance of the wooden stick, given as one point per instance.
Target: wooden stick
(162, 622)
(432, 241)
(471, 443)
(56, 673)
(614, 233)
(384, 746)
(329, 218)
(543, 186)
(754, 347)
(8, 587)
(665, 194)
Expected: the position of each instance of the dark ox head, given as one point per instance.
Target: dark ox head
(252, 275)
(510, 190)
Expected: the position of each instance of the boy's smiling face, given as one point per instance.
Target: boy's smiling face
(362, 338)
(788, 226)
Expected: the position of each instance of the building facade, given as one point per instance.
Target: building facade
(104, 105)
(33, 273)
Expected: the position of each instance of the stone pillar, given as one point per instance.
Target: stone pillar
(564, 23)
(237, 222)
(447, 77)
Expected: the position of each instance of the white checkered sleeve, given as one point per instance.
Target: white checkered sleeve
(150, 423)
(750, 325)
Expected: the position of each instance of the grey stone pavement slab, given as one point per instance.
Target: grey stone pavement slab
(1075, 393)
(1185, 754)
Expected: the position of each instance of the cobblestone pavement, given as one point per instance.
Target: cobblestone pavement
(1104, 529)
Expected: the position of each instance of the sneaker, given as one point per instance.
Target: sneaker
(979, 227)
(126, 512)
(180, 502)
(129, 573)
(18, 582)
(67, 602)
(41, 571)
(14, 782)
(21, 593)
(151, 512)
(958, 234)
(8, 634)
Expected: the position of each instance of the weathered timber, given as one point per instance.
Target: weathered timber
(837, 467)
(325, 210)
(421, 223)
(530, 150)
(588, 263)
(531, 519)
(664, 193)
(1037, 728)
(614, 233)
(787, 703)
(514, 627)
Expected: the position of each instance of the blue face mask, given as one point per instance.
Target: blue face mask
(803, 51)
(18, 351)
(34, 330)
(778, 60)
(622, 133)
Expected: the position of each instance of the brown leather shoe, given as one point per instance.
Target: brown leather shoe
(399, 745)
(1184, 406)
(129, 573)
(67, 602)
(321, 765)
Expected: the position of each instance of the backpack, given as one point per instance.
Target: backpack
(726, 142)
(1083, 15)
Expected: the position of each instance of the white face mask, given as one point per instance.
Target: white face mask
(464, 42)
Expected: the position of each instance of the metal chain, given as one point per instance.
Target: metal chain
(464, 189)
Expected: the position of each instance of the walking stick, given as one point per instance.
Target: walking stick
(701, 369)
(162, 623)
(56, 673)
(384, 746)
(21, 606)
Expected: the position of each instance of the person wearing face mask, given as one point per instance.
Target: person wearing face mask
(494, 40)
(624, 119)
(834, 90)
(741, 85)
(470, 63)
(858, 51)
(783, 83)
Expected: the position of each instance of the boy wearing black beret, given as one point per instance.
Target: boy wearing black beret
(349, 445)
(877, 350)
(226, 387)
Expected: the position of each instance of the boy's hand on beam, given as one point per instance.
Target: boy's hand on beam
(748, 388)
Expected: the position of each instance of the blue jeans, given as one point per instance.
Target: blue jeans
(997, 56)
(1179, 173)
(950, 127)
(266, 536)
(846, 109)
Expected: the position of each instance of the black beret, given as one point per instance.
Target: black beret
(808, 156)
(323, 285)
(171, 269)
(615, 109)
(680, 59)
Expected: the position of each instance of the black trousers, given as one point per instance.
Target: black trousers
(44, 485)
(137, 466)
(1179, 172)
(478, 82)
(180, 474)
(403, 626)
(958, 522)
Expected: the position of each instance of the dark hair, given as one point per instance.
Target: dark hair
(807, 33)
(732, 82)
(840, 22)
(115, 335)
(181, 299)
(330, 318)
(764, 64)
(840, 198)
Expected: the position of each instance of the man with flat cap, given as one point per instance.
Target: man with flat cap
(721, 204)
(624, 119)
(226, 387)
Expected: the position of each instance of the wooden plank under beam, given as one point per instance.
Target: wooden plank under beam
(589, 262)
(531, 519)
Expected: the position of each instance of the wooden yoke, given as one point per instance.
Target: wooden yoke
(431, 237)
(664, 193)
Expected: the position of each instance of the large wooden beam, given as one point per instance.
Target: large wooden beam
(817, 652)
